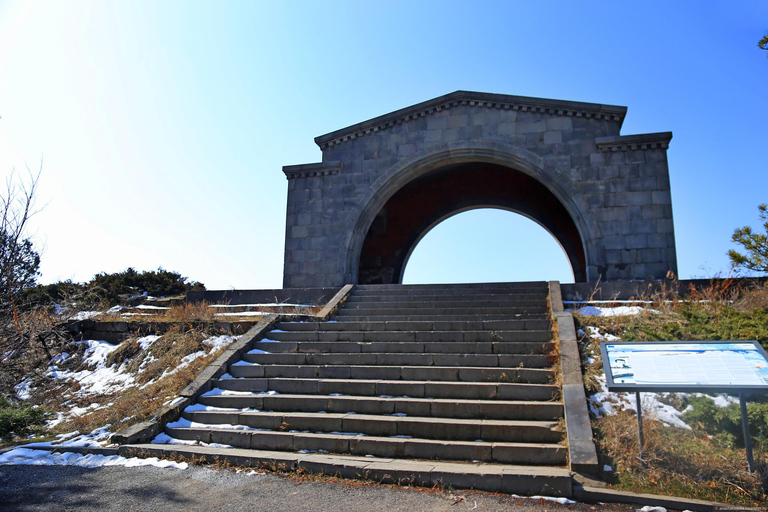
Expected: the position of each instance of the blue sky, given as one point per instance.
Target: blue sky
(163, 126)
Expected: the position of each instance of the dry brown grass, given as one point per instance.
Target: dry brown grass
(679, 462)
(137, 403)
(676, 462)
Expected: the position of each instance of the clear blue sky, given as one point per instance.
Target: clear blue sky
(164, 126)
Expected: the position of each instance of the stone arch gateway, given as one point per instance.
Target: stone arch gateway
(356, 216)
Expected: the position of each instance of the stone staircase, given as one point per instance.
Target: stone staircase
(446, 379)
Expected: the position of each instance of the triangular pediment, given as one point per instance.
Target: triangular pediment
(478, 100)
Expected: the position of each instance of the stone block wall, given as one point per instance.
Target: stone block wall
(615, 187)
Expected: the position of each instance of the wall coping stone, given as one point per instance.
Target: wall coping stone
(473, 99)
(293, 172)
(643, 141)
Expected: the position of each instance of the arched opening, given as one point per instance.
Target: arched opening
(423, 202)
(487, 245)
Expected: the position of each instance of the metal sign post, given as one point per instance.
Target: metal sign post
(641, 441)
(733, 367)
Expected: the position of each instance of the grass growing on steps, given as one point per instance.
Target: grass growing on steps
(701, 463)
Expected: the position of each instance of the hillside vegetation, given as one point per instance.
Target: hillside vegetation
(707, 460)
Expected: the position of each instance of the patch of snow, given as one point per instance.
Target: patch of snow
(200, 407)
(97, 378)
(166, 439)
(23, 389)
(257, 351)
(147, 341)
(185, 423)
(226, 392)
(115, 309)
(217, 342)
(84, 315)
(612, 311)
(28, 456)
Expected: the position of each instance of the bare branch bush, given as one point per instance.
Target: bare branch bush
(29, 335)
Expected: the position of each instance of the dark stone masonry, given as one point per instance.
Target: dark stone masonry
(384, 183)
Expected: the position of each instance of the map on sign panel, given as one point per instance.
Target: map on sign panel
(734, 364)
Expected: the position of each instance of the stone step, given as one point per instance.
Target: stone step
(445, 304)
(531, 322)
(412, 336)
(427, 407)
(486, 298)
(387, 426)
(414, 316)
(404, 359)
(483, 347)
(504, 478)
(463, 313)
(407, 373)
(464, 288)
(410, 388)
(505, 453)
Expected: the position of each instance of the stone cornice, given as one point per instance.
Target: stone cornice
(634, 142)
(293, 172)
(473, 99)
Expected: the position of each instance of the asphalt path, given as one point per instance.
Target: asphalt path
(52, 488)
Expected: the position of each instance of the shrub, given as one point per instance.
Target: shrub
(160, 283)
(20, 419)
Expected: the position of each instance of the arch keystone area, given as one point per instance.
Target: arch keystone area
(384, 183)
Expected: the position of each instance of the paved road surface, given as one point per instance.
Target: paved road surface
(52, 488)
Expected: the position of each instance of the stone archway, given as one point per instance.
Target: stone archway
(426, 201)
(447, 178)
(605, 197)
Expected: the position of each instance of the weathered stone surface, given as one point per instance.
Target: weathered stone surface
(356, 217)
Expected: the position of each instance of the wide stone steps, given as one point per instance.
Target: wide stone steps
(453, 289)
(401, 336)
(419, 301)
(410, 315)
(432, 407)
(529, 322)
(453, 429)
(388, 359)
(413, 388)
(503, 478)
(470, 312)
(435, 373)
(506, 453)
(412, 374)
(452, 347)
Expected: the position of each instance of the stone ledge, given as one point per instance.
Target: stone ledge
(582, 452)
(604, 495)
(485, 477)
(634, 142)
(293, 172)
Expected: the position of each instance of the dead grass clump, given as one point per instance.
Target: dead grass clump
(677, 462)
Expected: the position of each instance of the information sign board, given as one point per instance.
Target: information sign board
(693, 366)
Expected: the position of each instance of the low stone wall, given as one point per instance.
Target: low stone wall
(116, 332)
(315, 296)
(625, 290)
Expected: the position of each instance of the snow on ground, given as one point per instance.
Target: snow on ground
(97, 378)
(28, 456)
(612, 311)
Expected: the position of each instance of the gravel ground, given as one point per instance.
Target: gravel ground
(48, 488)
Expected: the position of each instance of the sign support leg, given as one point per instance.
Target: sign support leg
(747, 438)
(639, 424)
